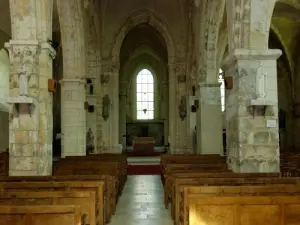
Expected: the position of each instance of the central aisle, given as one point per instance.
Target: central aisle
(142, 202)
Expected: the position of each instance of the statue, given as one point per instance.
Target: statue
(89, 142)
(182, 108)
(106, 107)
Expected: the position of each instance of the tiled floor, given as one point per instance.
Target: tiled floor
(142, 203)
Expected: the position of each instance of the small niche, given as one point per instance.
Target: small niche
(91, 109)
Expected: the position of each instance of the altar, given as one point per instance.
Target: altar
(143, 145)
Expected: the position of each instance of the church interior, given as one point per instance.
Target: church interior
(165, 112)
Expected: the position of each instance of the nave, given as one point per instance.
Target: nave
(142, 202)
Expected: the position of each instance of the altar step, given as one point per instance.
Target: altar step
(148, 160)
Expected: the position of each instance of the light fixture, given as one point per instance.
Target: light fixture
(145, 111)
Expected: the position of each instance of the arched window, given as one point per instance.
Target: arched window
(145, 95)
(222, 89)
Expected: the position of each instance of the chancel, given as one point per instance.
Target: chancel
(183, 112)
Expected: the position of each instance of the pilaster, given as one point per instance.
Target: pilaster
(31, 119)
(177, 97)
(252, 111)
(109, 103)
(73, 117)
(209, 119)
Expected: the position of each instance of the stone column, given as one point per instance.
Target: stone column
(172, 108)
(73, 117)
(177, 92)
(31, 121)
(252, 111)
(123, 113)
(111, 124)
(191, 123)
(166, 112)
(209, 120)
(114, 129)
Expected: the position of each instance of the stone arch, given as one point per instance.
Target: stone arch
(140, 17)
(285, 49)
(293, 3)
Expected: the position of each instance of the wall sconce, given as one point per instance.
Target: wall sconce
(182, 108)
(52, 85)
(106, 107)
(104, 79)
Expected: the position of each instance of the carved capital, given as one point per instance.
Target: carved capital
(25, 51)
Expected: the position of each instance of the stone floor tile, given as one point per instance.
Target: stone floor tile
(142, 203)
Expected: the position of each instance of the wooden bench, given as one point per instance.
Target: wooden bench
(85, 199)
(180, 184)
(170, 179)
(107, 157)
(109, 186)
(37, 215)
(245, 205)
(90, 168)
(168, 160)
(4, 163)
(96, 187)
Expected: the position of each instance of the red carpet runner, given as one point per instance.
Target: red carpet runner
(143, 170)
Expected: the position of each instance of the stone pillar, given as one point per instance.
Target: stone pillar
(177, 92)
(172, 108)
(191, 123)
(73, 94)
(252, 111)
(73, 117)
(111, 125)
(31, 119)
(123, 113)
(209, 120)
(166, 112)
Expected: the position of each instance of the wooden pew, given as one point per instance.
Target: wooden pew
(170, 179)
(37, 215)
(4, 163)
(90, 168)
(85, 199)
(218, 205)
(109, 186)
(168, 160)
(107, 157)
(290, 164)
(96, 187)
(121, 159)
(177, 197)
